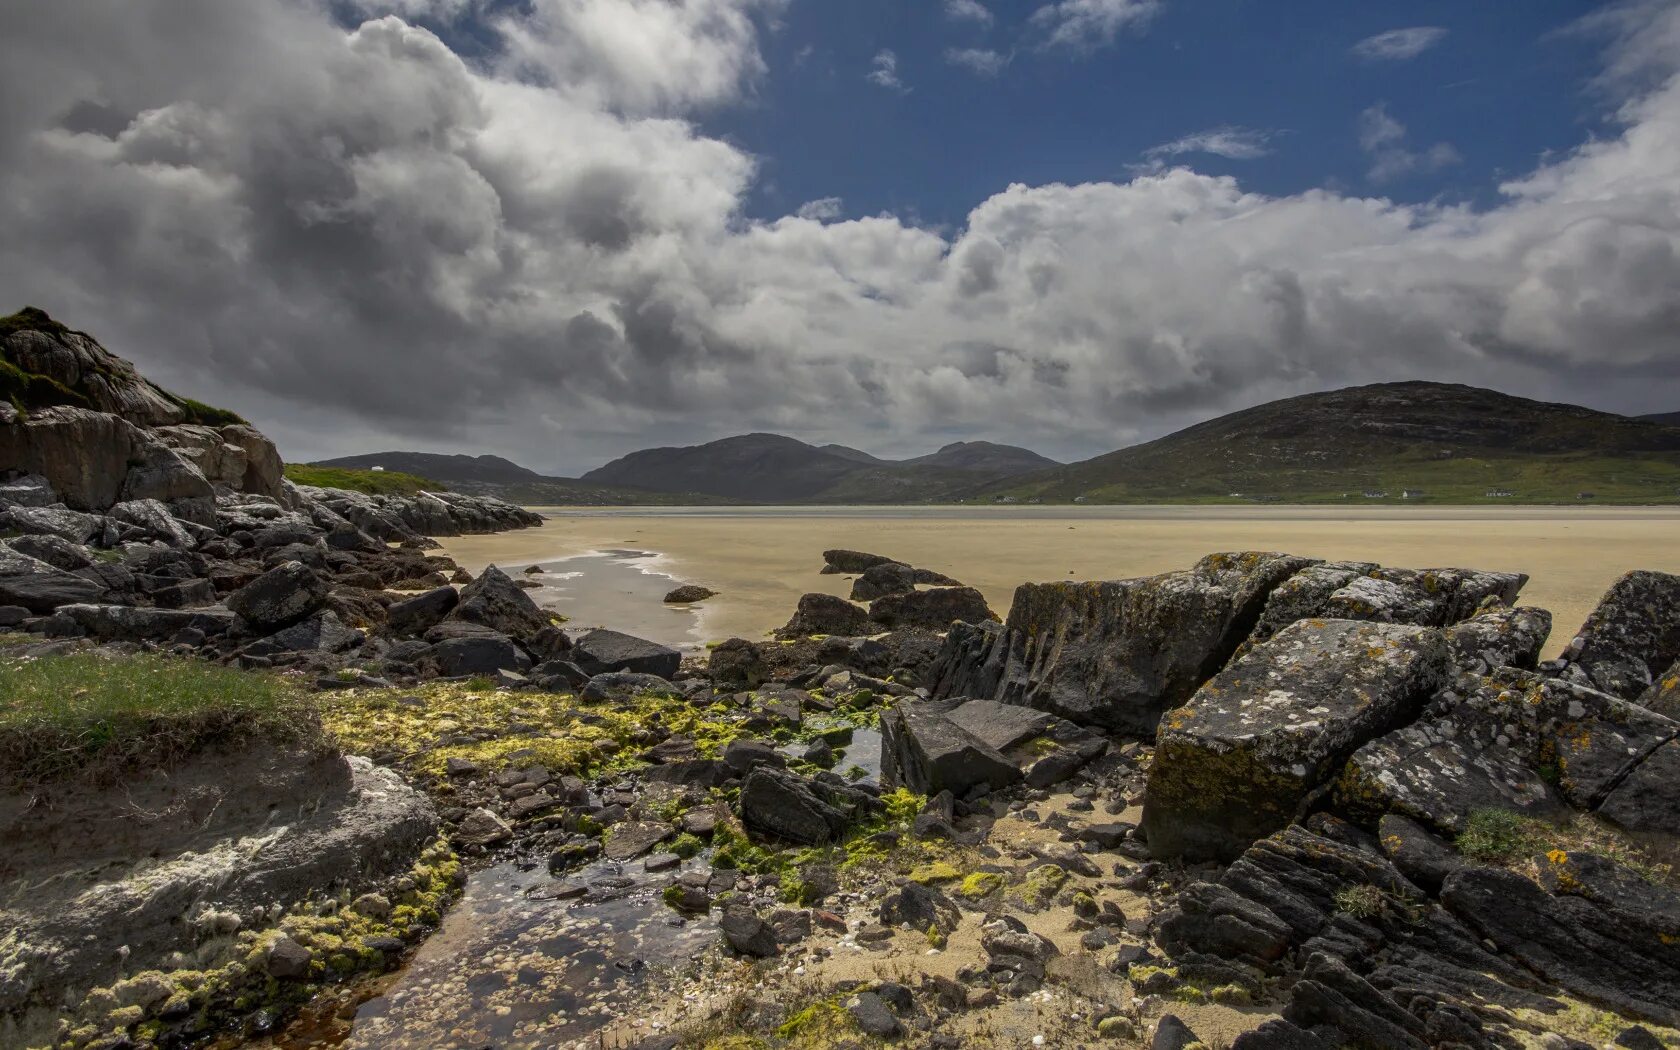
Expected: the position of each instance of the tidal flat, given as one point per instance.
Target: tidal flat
(761, 559)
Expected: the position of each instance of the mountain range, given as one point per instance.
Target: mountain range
(1388, 441)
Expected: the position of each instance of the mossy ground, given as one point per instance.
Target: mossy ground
(95, 716)
(1511, 840)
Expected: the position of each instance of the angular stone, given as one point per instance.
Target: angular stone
(625, 685)
(322, 633)
(478, 655)
(1237, 761)
(924, 750)
(880, 580)
(748, 934)
(413, 616)
(40, 587)
(1502, 637)
(481, 827)
(1000, 726)
(56, 551)
(600, 651)
(152, 516)
(920, 908)
(1416, 852)
(1663, 696)
(495, 601)
(1647, 800)
(844, 561)
(123, 623)
(279, 597)
(787, 806)
(631, 840)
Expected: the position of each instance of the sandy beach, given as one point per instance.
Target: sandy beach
(761, 559)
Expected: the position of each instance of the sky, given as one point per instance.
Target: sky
(562, 230)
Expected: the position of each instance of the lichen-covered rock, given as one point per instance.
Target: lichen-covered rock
(1631, 637)
(1115, 654)
(820, 613)
(1499, 637)
(924, 750)
(1236, 762)
(1647, 800)
(153, 517)
(1305, 595)
(66, 524)
(1435, 772)
(1663, 696)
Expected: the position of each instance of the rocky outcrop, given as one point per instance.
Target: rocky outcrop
(935, 609)
(396, 518)
(1630, 638)
(1115, 654)
(1239, 760)
(972, 747)
(820, 613)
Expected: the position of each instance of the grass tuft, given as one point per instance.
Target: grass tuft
(98, 717)
(1511, 840)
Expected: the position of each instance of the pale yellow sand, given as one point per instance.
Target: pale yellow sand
(762, 559)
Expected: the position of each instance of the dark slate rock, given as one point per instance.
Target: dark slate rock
(844, 561)
(630, 840)
(745, 755)
(1114, 654)
(1648, 798)
(321, 633)
(39, 587)
(1416, 852)
(600, 651)
(1304, 595)
(625, 685)
(279, 597)
(688, 594)
(1631, 637)
(748, 934)
(820, 613)
(1329, 993)
(1237, 761)
(880, 580)
(1171, 1034)
(478, 655)
(919, 907)
(494, 600)
(56, 551)
(416, 615)
(1000, 726)
(1600, 931)
(869, 1011)
(72, 525)
(1663, 696)
(1281, 1035)
(933, 610)
(924, 750)
(122, 623)
(787, 806)
(185, 594)
(152, 517)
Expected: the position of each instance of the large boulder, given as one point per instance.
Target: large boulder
(478, 654)
(279, 597)
(103, 381)
(71, 525)
(38, 586)
(820, 613)
(1250, 747)
(29, 490)
(1115, 654)
(154, 518)
(1631, 637)
(125, 623)
(600, 651)
(495, 601)
(56, 551)
(163, 474)
(923, 749)
(1499, 637)
(1423, 597)
(934, 609)
(83, 455)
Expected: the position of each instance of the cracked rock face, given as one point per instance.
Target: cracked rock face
(1631, 637)
(1241, 757)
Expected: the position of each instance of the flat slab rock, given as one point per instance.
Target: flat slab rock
(1236, 762)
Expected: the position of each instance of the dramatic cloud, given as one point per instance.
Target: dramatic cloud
(883, 71)
(360, 240)
(1384, 141)
(1084, 25)
(978, 60)
(1398, 45)
(1229, 141)
(968, 11)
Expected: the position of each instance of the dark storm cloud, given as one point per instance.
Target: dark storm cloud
(357, 238)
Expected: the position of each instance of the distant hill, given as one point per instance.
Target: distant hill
(770, 468)
(1667, 418)
(495, 476)
(1441, 441)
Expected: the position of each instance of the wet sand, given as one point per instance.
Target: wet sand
(762, 559)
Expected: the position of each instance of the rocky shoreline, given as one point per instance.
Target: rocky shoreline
(1261, 802)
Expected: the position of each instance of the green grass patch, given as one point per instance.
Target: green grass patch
(372, 482)
(97, 716)
(201, 414)
(1511, 840)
